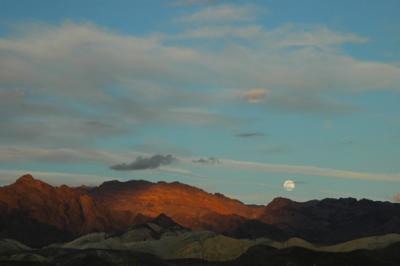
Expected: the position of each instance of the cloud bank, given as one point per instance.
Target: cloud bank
(155, 78)
(310, 170)
(72, 84)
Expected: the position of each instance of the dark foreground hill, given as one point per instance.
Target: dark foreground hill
(255, 256)
(265, 256)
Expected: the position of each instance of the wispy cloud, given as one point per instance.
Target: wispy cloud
(308, 103)
(250, 134)
(310, 170)
(143, 163)
(62, 155)
(320, 37)
(208, 160)
(222, 13)
(255, 95)
(220, 31)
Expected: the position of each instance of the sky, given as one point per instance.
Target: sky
(230, 96)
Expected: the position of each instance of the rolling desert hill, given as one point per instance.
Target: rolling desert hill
(180, 243)
(161, 241)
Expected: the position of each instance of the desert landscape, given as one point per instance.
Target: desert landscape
(123, 223)
(199, 132)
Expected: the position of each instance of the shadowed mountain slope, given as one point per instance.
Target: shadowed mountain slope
(331, 221)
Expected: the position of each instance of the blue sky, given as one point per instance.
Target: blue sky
(274, 90)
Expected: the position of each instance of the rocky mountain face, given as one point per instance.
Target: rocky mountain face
(187, 205)
(37, 214)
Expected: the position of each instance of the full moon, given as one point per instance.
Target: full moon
(289, 185)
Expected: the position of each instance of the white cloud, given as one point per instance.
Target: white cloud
(224, 31)
(82, 59)
(320, 37)
(222, 13)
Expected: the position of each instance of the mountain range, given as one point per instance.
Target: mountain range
(66, 212)
(170, 221)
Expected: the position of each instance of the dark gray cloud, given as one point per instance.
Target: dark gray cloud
(250, 134)
(142, 163)
(209, 160)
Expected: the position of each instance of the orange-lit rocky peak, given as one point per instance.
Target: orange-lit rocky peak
(26, 179)
(115, 205)
(64, 208)
(187, 205)
(222, 196)
(29, 181)
(279, 202)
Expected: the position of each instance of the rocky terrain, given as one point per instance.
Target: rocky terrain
(161, 241)
(37, 214)
(144, 223)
